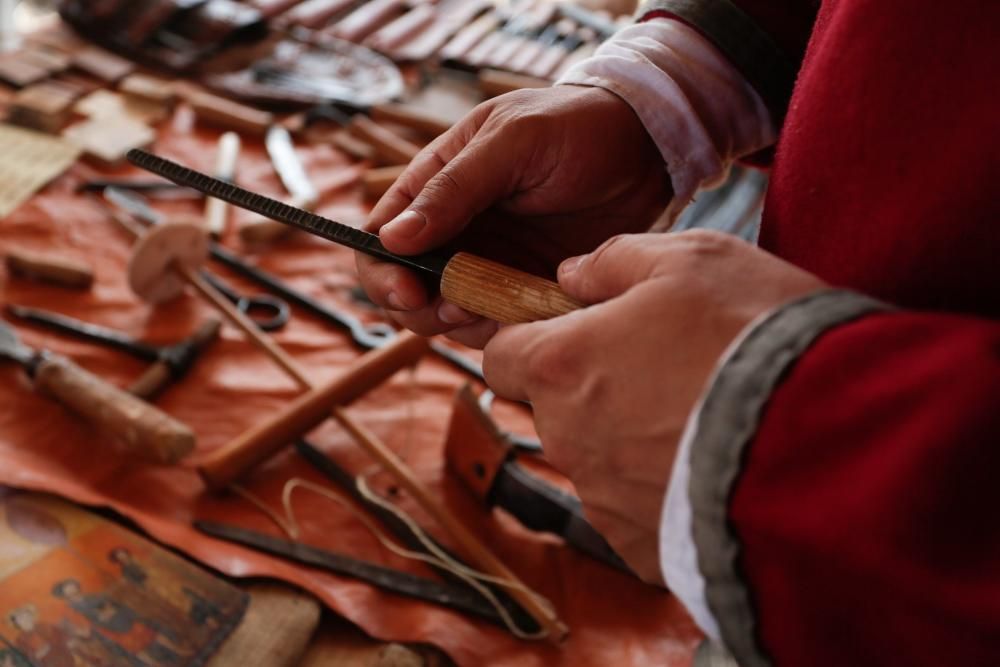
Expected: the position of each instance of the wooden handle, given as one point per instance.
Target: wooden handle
(216, 210)
(225, 113)
(228, 463)
(152, 382)
(376, 182)
(389, 147)
(402, 114)
(145, 431)
(49, 269)
(501, 293)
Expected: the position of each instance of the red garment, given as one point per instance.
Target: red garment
(866, 509)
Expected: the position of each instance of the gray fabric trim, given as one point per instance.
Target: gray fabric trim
(711, 654)
(752, 50)
(726, 426)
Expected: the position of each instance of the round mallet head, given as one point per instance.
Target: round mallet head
(150, 268)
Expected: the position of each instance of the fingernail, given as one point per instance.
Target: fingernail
(395, 302)
(405, 225)
(570, 265)
(449, 313)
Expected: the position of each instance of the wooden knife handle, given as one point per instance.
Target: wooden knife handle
(390, 148)
(49, 269)
(146, 432)
(501, 293)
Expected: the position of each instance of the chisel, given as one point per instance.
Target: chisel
(478, 285)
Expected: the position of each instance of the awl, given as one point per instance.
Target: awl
(478, 285)
(145, 431)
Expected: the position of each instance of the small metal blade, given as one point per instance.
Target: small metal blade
(12, 348)
(134, 204)
(286, 162)
(275, 210)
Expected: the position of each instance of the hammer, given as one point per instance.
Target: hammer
(170, 362)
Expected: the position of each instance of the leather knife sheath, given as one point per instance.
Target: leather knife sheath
(481, 457)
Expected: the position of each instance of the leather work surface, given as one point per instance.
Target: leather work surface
(613, 618)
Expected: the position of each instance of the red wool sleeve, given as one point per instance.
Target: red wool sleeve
(868, 506)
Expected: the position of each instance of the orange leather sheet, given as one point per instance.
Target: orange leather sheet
(613, 619)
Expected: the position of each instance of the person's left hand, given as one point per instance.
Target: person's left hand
(612, 385)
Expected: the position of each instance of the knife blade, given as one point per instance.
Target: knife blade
(476, 284)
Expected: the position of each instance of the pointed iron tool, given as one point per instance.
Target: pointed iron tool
(145, 431)
(478, 285)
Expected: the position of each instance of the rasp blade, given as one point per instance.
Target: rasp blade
(275, 210)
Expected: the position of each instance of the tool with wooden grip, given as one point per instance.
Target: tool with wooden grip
(144, 431)
(478, 285)
(49, 269)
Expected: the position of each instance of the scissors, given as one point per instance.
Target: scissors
(268, 312)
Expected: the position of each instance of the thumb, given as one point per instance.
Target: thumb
(618, 264)
(465, 186)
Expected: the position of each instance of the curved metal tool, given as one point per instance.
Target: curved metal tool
(268, 312)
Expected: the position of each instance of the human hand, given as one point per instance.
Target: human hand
(540, 174)
(613, 384)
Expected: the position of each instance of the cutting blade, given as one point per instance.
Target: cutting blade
(317, 225)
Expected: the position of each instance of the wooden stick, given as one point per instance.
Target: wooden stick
(475, 550)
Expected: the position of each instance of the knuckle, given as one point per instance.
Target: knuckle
(553, 361)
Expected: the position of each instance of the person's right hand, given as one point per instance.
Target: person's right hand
(528, 179)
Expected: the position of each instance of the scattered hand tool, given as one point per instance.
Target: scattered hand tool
(158, 189)
(269, 312)
(348, 483)
(479, 285)
(478, 453)
(216, 211)
(145, 431)
(167, 258)
(367, 336)
(169, 362)
(49, 269)
(456, 597)
(293, 176)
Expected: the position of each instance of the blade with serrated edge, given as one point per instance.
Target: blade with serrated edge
(275, 210)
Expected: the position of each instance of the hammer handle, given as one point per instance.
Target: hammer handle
(145, 431)
(501, 293)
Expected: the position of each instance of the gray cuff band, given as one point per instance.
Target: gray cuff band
(728, 422)
(748, 47)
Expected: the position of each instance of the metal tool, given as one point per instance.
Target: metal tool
(478, 453)
(145, 431)
(158, 189)
(367, 336)
(480, 286)
(268, 312)
(170, 362)
(399, 528)
(394, 581)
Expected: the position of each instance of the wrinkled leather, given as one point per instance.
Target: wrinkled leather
(614, 619)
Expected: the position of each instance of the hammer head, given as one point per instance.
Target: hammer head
(180, 356)
(175, 360)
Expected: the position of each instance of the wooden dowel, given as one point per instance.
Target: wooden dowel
(473, 549)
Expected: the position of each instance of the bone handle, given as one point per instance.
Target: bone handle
(216, 210)
(145, 431)
(501, 293)
(49, 269)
